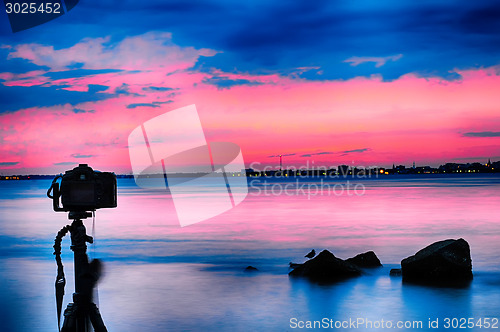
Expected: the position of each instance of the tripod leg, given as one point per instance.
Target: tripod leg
(69, 324)
(96, 319)
(83, 314)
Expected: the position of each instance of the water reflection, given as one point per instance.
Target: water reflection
(160, 276)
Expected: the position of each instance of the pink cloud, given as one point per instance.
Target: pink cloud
(410, 118)
(150, 50)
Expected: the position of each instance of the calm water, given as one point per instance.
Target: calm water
(160, 276)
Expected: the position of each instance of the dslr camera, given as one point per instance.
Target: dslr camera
(83, 189)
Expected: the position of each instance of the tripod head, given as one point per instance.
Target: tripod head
(79, 215)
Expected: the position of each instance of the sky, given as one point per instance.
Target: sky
(321, 82)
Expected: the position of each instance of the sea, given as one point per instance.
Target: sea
(159, 276)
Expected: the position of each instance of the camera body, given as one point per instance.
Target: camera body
(83, 189)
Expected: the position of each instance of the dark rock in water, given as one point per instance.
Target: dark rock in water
(444, 262)
(311, 254)
(367, 259)
(395, 272)
(251, 268)
(294, 265)
(326, 268)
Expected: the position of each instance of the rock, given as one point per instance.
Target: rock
(395, 272)
(251, 268)
(444, 262)
(294, 265)
(311, 254)
(367, 259)
(326, 268)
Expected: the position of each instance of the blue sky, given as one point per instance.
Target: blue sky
(262, 36)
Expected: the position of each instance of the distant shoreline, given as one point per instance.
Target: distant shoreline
(315, 171)
(274, 175)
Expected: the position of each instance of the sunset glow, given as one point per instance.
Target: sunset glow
(83, 100)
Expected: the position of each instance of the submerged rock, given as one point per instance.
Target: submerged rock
(444, 262)
(326, 268)
(367, 259)
(251, 268)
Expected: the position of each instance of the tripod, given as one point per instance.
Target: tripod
(82, 314)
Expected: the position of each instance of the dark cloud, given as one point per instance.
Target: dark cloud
(77, 110)
(227, 83)
(356, 150)
(93, 88)
(481, 20)
(124, 89)
(78, 155)
(482, 134)
(162, 102)
(433, 38)
(157, 89)
(142, 105)
(317, 154)
(14, 98)
(153, 104)
(57, 75)
(65, 163)
(8, 163)
(347, 152)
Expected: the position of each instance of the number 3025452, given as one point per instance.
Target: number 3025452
(32, 8)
